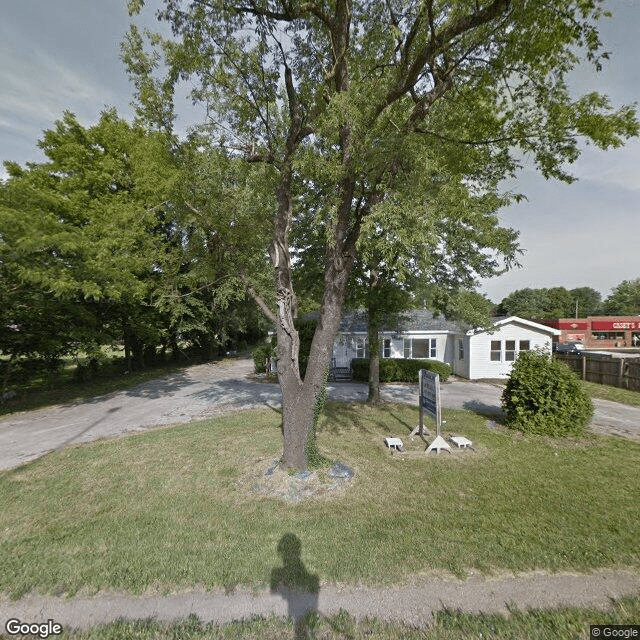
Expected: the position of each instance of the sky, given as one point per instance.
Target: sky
(65, 55)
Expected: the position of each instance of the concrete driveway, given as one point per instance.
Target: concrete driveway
(218, 388)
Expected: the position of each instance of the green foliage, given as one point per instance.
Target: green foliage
(545, 397)
(399, 369)
(624, 299)
(556, 302)
(97, 245)
(260, 355)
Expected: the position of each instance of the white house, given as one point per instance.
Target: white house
(471, 353)
(491, 354)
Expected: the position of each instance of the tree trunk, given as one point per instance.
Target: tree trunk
(7, 375)
(373, 333)
(373, 336)
(298, 396)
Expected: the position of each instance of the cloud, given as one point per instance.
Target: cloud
(619, 168)
(38, 86)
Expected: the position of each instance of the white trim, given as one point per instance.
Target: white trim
(529, 323)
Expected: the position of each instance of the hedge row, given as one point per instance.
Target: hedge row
(398, 369)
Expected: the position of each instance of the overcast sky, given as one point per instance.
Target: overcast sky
(64, 54)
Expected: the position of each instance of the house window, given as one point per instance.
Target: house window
(460, 349)
(496, 350)
(407, 348)
(524, 345)
(510, 350)
(423, 348)
(386, 348)
(361, 348)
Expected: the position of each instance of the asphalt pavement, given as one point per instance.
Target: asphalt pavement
(219, 388)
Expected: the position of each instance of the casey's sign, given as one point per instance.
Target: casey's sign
(612, 325)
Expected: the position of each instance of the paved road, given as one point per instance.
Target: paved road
(218, 388)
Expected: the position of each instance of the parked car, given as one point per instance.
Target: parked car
(570, 347)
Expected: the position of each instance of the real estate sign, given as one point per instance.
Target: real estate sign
(429, 391)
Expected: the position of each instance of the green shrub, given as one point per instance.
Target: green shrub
(544, 396)
(399, 369)
(260, 354)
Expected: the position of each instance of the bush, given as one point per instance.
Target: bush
(399, 369)
(544, 396)
(260, 354)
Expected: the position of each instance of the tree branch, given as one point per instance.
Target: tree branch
(264, 307)
(437, 44)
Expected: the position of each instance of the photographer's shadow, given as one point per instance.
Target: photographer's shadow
(295, 584)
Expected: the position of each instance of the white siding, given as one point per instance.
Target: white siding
(461, 365)
(480, 363)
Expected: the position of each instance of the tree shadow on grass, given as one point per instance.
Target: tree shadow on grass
(384, 417)
(340, 417)
(296, 585)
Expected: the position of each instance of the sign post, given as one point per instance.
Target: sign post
(429, 392)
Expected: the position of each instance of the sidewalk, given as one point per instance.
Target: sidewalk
(412, 604)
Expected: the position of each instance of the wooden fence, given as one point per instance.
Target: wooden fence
(605, 369)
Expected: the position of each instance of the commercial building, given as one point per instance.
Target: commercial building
(599, 332)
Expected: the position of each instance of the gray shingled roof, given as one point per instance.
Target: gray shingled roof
(416, 320)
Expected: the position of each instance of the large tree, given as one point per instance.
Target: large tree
(86, 238)
(331, 93)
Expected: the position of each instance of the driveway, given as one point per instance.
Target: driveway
(219, 388)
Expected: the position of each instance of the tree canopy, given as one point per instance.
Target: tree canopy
(553, 302)
(624, 299)
(96, 247)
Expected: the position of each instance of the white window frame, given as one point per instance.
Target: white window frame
(460, 349)
(386, 347)
(493, 350)
(517, 348)
(432, 348)
(362, 347)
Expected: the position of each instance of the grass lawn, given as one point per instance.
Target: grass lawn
(559, 624)
(171, 509)
(615, 394)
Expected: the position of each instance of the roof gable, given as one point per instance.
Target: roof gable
(500, 322)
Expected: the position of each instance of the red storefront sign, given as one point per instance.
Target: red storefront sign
(575, 326)
(614, 325)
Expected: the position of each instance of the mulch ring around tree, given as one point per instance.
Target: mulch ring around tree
(270, 479)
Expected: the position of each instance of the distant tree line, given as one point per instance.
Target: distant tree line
(558, 302)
